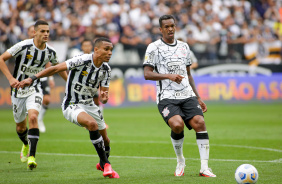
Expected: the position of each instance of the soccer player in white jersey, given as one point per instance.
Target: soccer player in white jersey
(31, 56)
(88, 73)
(87, 48)
(46, 84)
(167, 61)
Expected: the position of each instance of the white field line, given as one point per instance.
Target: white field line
(157, 142)
(138, 157)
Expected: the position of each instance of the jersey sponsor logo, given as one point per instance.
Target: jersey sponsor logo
(84, 90)
(37, 61)
(22, 93)
(29, 56)
(175, 68)
(29, 70)
(84, 73)
(181, 93)
(165, 112)
(91, 81)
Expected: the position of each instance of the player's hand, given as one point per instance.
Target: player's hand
(203, 105)
(24, 83)
(13, 82)
(104, 96)
(176, 78)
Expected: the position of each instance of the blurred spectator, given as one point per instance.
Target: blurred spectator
(214, 29)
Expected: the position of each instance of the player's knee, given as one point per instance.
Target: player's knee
(20, 128)
(177, 127)
(91, 125)
(32, 118)
(200, 126)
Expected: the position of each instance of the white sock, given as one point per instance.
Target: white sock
(42, 113)
(178, 148)
(204, 149)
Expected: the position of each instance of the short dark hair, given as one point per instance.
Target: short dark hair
(99, 40)
(165, 17)
(86, 40)
(40, 22)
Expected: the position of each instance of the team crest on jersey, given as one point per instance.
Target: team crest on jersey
(84, 73)
(29, 56)
(183, 51)
(165, 112)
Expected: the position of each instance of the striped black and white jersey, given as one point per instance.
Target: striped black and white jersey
(29, 60)
(84, 79)
(170, 59)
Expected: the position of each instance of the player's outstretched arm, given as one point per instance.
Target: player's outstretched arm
(104, 94)
(149, 74)
(4, 57)
(44, 73)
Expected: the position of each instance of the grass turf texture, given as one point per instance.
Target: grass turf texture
(141, 150)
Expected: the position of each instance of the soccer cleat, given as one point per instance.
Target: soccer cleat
(114, 175)
(98, 167)
(108, 171)
(207, 173)
(41, 126)
(180, 169)
(31, 164)
(24, 153)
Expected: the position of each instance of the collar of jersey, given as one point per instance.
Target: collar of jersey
(169, 44)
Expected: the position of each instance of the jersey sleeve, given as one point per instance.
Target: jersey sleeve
(188, 60)
(75, 62)
(16, 49)
(149, 59)
(106, 81)
(54, 59)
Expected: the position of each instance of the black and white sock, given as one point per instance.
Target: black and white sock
(33, 137)
(177, 143)
(97, 141)
(204, 148)
(23, 136)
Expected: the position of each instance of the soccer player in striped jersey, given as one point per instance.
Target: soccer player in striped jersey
(46, 84)
(88, 73)
(167, 61)
(31, 56)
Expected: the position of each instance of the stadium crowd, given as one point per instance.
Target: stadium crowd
(215, 29)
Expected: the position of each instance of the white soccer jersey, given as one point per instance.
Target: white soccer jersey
(170, 59)
(29, 61)
(84, 80)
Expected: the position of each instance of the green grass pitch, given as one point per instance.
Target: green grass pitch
(141, 150)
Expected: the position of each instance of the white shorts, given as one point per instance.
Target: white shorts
(22, 105)
(72, 112)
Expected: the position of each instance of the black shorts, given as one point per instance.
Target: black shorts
(186, 108)
(45, 87)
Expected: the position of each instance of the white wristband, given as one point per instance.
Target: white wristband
(51, 78)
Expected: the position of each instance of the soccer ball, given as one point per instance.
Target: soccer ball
(246, 174)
